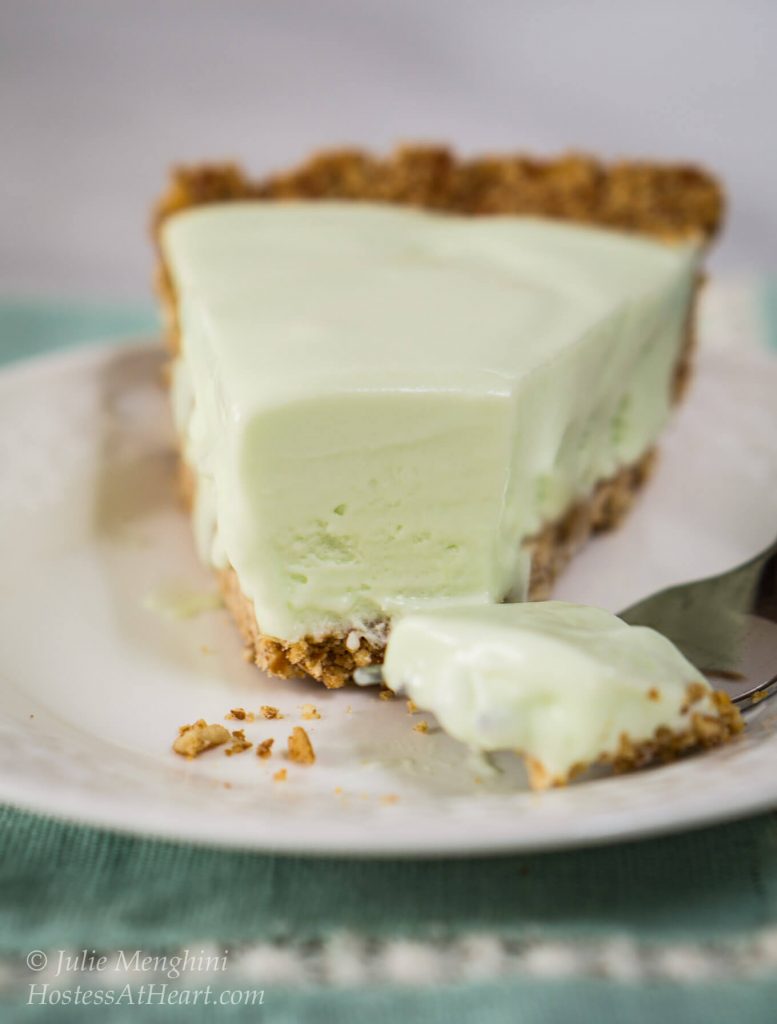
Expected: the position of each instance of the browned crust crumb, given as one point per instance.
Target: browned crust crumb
(268, 711)
(300, 748)
(280, 775)
(386, 694)
(195, 739)
(694, 693)
(539, 777)
(239, 743)
(241, 715)
(421, 727)
(412, 707)
(309, 712)
(654, 693)
(664, 201)
(264, 749)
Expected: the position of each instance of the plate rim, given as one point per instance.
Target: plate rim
(296, 846)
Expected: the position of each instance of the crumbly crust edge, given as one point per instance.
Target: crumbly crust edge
(664, 201)
(704, 731)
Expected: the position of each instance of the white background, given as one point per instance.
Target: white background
(99, 97)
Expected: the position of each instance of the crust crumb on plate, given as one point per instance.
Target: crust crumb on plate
(198, 737)
(539, 777)
(280, 775)
(421, 727)
(309, 712)
(241, 715)
(270, 712)
(264, 749)
(299, 746)
(239, 743)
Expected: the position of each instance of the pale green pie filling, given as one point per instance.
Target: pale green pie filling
(560, 683)
(380, 404)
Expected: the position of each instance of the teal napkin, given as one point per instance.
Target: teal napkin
(682, 928)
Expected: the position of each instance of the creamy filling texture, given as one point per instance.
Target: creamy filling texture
(379, 404)
(559, 683)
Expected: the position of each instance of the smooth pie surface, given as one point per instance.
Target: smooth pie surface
(379, 404)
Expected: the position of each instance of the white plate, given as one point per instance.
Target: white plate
(93, 685)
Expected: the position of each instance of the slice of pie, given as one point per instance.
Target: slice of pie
(417, 382)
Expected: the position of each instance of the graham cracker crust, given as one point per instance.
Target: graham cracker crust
(704, 731)
(662, 201)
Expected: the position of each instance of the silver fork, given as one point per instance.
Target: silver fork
(726, 625)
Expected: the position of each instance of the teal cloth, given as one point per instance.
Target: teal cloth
(63, 886)
(31, 328)
(530, 1002)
